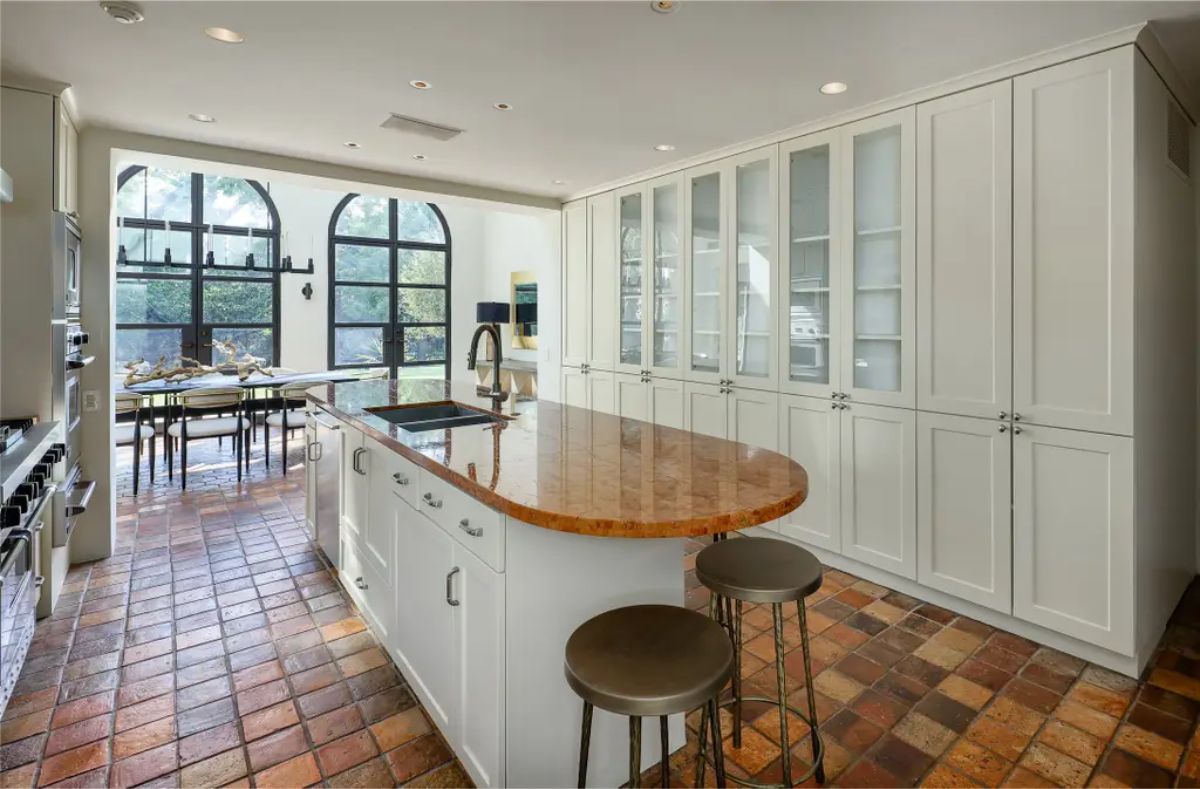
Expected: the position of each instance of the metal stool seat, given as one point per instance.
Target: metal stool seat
(763, 570)
(647, 660)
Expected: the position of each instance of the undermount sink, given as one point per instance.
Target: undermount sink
(437, 416)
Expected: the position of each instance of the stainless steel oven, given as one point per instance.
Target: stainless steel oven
(68, 254)
(70, 501)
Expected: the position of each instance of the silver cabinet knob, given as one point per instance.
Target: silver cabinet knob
(360, 583)
(474, 531)
(431, 501)
(1016, 430)
(400, 478)
(1003, 428)
(1003, 415)
(1016, 417)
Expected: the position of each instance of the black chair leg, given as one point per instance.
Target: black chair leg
(137, 461)
(585, 741)
(169, 457)
(237, 440)
(183, 463)
(266, 446)
(152, 442)
(283, 436)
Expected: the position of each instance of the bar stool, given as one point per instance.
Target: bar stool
(762, 570)
(649, 660)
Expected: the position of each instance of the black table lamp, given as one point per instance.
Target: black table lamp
(491, 312)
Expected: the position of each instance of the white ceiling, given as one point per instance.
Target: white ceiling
(594, 85)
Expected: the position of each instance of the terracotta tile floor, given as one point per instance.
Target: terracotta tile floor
(214, 649)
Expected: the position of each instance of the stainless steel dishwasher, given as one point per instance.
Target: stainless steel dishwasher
(324, 456)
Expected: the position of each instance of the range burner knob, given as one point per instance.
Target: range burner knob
(20, 501)
(51, 457)
(59, 449)
(10, 516)
(31, 488)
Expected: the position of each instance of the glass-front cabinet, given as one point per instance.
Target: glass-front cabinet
(632, 285)
(878, 165)
(809, 275)
(706, 274)
(753, 213)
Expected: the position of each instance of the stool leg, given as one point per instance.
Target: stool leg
(737, 675)
(808, 686)
(702, 764)
(777, 617)
(585, 740)
(635, 751)
(718, 748)
(666, 751)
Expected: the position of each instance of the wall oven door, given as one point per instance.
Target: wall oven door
(70, 501)
(72, 253)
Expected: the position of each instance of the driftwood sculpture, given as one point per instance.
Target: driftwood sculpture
(141, 371)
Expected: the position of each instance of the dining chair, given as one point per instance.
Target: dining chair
(202, 415)
(134, 430)
(286, 412)
(259, 402)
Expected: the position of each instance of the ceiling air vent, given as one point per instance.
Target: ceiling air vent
(1178, 142)
(420, 128)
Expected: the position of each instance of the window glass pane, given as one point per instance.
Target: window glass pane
(359, 346)
(364, 216)
(434, 371)
(233, 201)
(418, 222)
(424, 344)
(360, 264)
(420, 305)
(157, 194)
(131, 197)
(154, 300)
(256, 342)
(145, 244)
(420, 267)
(237, 302)
(149, 345)
(360, 304)
(231, 250)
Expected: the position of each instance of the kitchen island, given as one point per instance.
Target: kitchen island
(476, 534)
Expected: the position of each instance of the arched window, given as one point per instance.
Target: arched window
(389, 286)
(169, 304)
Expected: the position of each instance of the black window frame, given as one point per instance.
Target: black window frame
(393, 330)
(196, 338)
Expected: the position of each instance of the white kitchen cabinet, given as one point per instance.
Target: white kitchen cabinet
(479, 656)
(964, 516)
(631, 280)
(964, 253)
(705, 409)
(602, 282)
(1073, 244)
(706, 275)
(1073, 540)
(878, 164)
(310, 478)
(602, 394)
(379, 531)
(753, 212)
(810, 275)
(809, 433)
(665, 402)
(355, 485)
(879, 486)
(753, 417)
(631, 397)
(574, 390)
(576, 293)
(66, 160)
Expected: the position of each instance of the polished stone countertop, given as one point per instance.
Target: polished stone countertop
(581, 471)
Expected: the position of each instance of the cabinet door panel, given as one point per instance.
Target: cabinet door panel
(753, 214)
(878, 253)
(666, 402)
(1073, 244)
(380, 532)
(425, 620)
(631, 279)
(575, 283)
(479, 652)
(632, 397)
(310, 479)
(879, 486)
(602, 394)
(574, 387)
(964, 252)
(964, 516)
(754, 418)
(602, 276)
(1073, 534)
(354, 485)
(707, 275)
(705, 410)
(665, 310)
(809, 434)
(809, 265)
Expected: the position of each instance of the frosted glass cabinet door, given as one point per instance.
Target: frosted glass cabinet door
(602, 281)
(666, 276)
(706, 275)
(808, 273)
(632, 280)
(878, 211)
(754, 211)
(575, 283)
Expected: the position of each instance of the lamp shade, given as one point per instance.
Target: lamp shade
(491, 312)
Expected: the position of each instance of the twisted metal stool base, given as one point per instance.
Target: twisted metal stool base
(818, 764)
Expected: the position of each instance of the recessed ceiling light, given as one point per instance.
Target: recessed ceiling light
(664, 147)
(833, 88)
(224, 35)
(125, 13)
(200, 117)
(502, 106)
(420, 84)
(558, 182)
(664, 6)
(352, 145)
(420, 157)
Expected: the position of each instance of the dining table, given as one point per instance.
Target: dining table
(254, 381)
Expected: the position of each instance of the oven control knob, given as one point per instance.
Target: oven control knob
(30, 488)
(20, 501)
(59, 450)
(51, 457)
(10, 516)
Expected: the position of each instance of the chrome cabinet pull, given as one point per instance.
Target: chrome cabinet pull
(431, 501)
(474, 531)
(355, 458)
(400, 478)
(450, 586)
(314, 456)
(360, 583)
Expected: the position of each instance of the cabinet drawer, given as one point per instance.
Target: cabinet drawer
(392, 470)
(472, 524)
